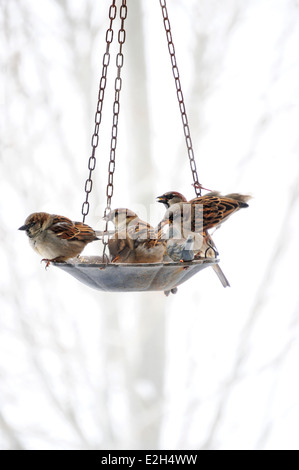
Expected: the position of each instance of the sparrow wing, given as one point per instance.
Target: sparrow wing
(141, 231)
(162, 229)
(212, 210)
(147, 246)
(86, 233)
(149, 243)
(65, 229)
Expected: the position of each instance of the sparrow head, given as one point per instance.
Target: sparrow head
(171, 198)
(35, 223)
(120, 217)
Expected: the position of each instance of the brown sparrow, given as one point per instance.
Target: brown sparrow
(55, 237)
(173, 229)
(201, 214)
(205, 212)
(134, 241)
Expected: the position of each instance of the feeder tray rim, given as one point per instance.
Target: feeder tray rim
(85, 264)
(133, 277)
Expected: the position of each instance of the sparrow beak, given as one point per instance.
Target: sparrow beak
(162, 199)
(24, 227)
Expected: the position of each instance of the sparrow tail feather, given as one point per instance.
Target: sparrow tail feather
(221, 275)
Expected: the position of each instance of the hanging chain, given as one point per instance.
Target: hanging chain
(180, 96)
(116, 109)
(98, 114)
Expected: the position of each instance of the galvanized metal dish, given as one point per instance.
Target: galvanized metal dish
(114, 277)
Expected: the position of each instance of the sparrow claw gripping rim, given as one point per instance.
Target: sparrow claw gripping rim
(113, 277)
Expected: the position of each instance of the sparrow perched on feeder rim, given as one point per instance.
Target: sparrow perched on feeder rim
(173, 228)
(201, 214)
(134, 241)
(55, 237)
(207, 211)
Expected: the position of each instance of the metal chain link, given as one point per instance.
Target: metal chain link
(116, 110)
(180, 96)
(98, 114)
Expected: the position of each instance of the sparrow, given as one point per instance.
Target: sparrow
(134, 241)
(205, 212)
(172, 228)
(201, 214)
(56, 237)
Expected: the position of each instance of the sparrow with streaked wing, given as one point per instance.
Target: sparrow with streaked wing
(199, 215)
(55, 237)
(206, 211)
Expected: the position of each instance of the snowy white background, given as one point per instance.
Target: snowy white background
(209, 368)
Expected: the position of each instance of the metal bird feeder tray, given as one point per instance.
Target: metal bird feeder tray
(140, 277)
(95, 271)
